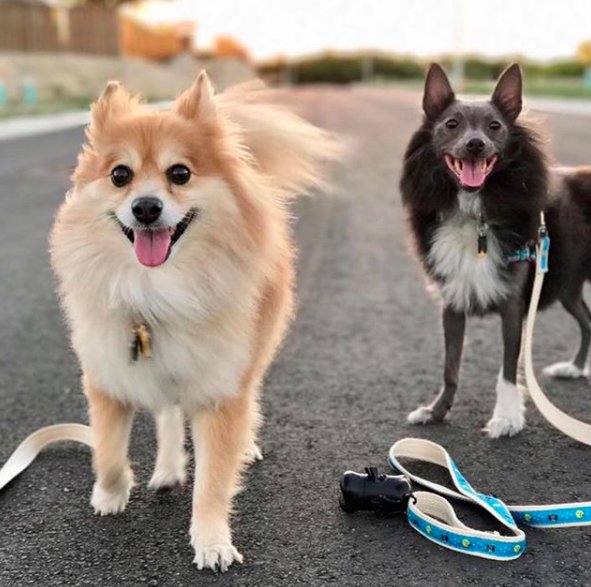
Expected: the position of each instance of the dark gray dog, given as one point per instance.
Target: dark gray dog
(474, 182)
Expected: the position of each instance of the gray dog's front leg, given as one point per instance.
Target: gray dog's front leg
(454, 325)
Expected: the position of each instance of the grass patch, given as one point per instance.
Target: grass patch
(51, 107)
(552, 88)
(539, 87)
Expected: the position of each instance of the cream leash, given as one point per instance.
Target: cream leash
(568, 425)
(29, 448)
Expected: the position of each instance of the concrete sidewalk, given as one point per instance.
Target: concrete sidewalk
(558, 106)
(25, 126)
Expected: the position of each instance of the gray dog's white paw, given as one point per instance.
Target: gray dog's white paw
(565, 370)
(422, 415)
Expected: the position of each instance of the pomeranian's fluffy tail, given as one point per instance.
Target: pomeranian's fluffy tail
(289, 150)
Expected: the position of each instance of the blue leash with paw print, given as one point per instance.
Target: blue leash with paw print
(433, 516)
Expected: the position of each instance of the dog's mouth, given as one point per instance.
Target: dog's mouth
(152, 246)
(471, 173)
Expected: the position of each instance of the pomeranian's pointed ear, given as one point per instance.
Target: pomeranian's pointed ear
(114, 100)
(198, 100)
(507, 95)
(438, 93)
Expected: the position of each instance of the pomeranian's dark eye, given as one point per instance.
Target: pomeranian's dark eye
(121, 175)
(178, 174)
(494, 125)
(451, 123)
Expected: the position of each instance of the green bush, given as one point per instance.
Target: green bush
(330, 69)
(346, 69)
(565, 69)
(397, 68)
(478, 68)
(335, 70)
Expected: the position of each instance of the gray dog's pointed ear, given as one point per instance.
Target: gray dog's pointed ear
(507, 94)
(198, 100)
(438, 93)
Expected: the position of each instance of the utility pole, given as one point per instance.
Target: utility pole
(367, 68)
(457, 72)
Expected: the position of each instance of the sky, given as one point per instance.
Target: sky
(542, 29)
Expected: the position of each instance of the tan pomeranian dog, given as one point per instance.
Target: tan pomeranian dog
(175, 265)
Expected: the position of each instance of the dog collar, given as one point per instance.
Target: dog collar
(525, 253)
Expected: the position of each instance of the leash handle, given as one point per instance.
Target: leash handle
(433, 516)
(28, 450)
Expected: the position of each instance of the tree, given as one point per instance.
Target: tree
(230, 47)
(584, 53)
(584, 56)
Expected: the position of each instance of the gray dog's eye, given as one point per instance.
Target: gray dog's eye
(494, 125)
(451, 123)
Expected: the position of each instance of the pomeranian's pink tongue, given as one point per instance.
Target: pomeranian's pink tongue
(472, 174)
(151, 246)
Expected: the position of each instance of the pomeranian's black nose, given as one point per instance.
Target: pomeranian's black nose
(146, 210)
(475, 146)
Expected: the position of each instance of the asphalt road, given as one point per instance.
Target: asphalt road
(365, 349)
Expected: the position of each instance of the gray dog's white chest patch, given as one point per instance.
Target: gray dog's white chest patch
(466, 279)
(470, 203)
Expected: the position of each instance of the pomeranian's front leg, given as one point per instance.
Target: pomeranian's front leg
(110, 421)
(171, 459)
(220, 435)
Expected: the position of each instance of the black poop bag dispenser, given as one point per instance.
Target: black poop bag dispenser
(372, 491)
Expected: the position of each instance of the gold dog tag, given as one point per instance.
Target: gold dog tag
(141, 342)
(482, 231)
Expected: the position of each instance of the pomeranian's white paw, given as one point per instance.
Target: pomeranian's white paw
(422, 415)
(253, 453)
(566, 370)
(167, 478)
(214, 552)
(509, 416)
(169, 474)
(110, 501)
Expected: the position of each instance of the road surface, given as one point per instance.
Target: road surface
(365, 349)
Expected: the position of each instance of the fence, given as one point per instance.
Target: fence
(85, 29)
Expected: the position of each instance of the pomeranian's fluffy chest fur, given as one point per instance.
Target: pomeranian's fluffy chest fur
(199, 345)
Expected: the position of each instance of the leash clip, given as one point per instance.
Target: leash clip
(543, 246)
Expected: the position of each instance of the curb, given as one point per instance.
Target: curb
(28, 126)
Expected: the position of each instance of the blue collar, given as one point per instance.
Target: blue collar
(525, 253)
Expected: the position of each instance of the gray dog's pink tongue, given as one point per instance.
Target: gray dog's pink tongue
(151, 246)
(473, 173)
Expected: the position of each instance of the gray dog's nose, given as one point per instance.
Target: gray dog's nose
(475, 146)
(146, 209)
